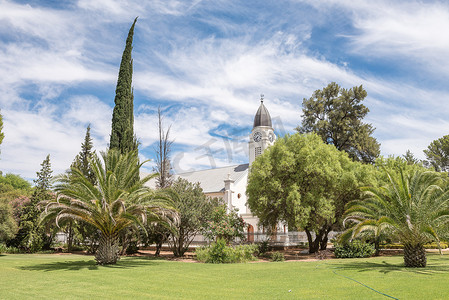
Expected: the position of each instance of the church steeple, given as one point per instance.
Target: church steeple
(262, 117)
(262, 134)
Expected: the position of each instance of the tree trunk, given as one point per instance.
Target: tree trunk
(415, 256)
(377, 246)
(70, 237)
(323, 242)
(158, 248)
(108, 250)
(313, 244)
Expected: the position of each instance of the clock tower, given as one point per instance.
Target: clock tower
(262, 134)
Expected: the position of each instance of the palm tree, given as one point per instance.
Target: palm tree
(414, 207)
(117, 202)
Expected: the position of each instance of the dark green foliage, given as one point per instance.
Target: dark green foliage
(438, 154)
(32, 236)
(263, 247)
(132, 247)
(354, 249)
(277, 256)
(194, 209)
(336, 115)
(218, 253)
(122, 134)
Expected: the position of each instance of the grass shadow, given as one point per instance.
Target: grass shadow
(434, 266)
(126, 263)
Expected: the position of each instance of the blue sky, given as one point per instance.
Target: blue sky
(206, 64)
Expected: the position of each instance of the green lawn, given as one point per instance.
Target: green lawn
(74, 276)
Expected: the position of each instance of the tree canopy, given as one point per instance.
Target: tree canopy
(336, 115)
(437, 154)
(194, 209)
(304, 183)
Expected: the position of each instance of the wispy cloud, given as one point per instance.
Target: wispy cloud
(207, 63)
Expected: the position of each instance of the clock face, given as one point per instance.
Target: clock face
(257, 136)
(271, 137)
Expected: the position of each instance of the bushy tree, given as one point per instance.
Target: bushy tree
(336, 115)
(194, 209)
(13, 182)
(413, 206)
(304, 183)
(14, 195)
(8, 226)
(224, 224)
(438, 154)
(116, 203)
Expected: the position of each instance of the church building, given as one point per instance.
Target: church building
(229, 183)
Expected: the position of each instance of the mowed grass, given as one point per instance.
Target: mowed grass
(77, 277)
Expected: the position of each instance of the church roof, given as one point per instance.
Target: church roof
(211, 180)
(262, 117)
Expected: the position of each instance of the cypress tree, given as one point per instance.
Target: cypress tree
(122, 134)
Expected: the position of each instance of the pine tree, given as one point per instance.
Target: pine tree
(43, 181)
(31, 235)
(122, 134)
(81, 161)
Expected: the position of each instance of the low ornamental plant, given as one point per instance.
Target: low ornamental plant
(277, 256)
(219, 252)
(433, 245)
(354, 249)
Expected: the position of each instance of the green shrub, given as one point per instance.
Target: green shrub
(132, 248)
(432, 245)
(219, 252)
(354, 249)
(277, 256)
(263, 247)
(9, 250)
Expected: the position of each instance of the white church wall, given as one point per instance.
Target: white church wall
(239, 188)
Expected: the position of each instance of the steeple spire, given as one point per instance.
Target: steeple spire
(262, 117)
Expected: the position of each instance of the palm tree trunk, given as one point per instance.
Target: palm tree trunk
(108, 250)
(414, 256)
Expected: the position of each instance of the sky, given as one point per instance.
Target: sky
(206, 63)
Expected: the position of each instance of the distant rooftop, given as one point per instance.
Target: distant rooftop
(211, 180)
